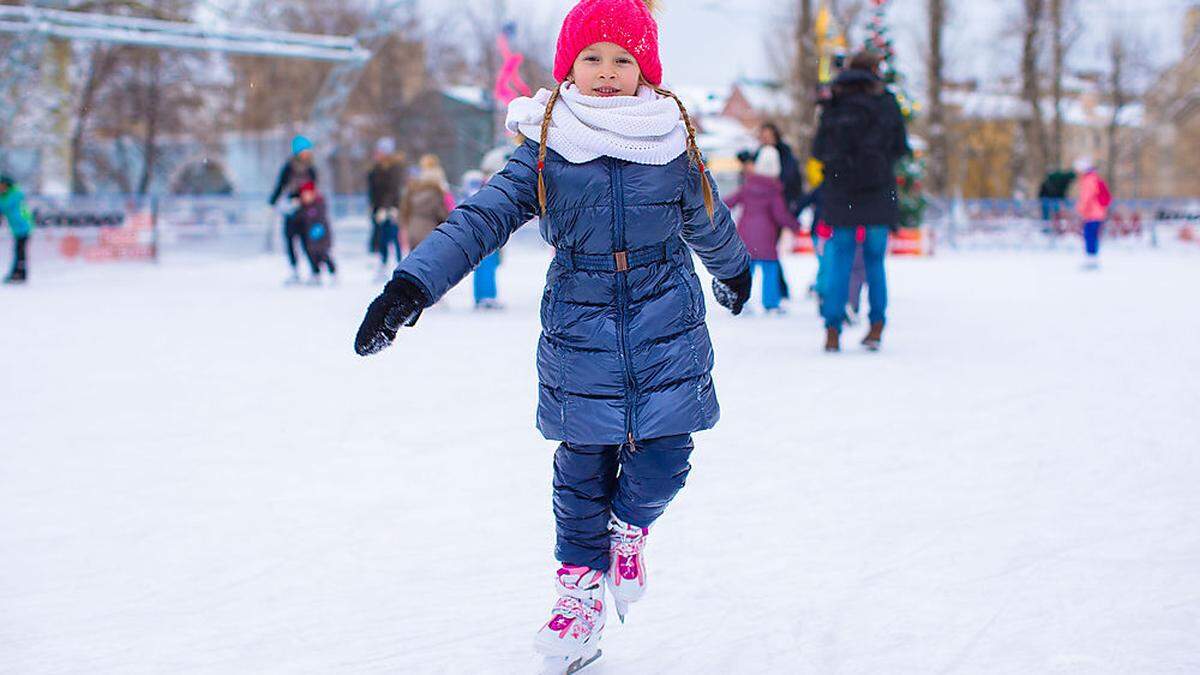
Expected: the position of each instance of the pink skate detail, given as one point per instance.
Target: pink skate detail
(573, 616)
(628, 569)
(573, 570)
(560, 624)
(626, 550)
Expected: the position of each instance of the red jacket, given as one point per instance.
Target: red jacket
(1090, 206)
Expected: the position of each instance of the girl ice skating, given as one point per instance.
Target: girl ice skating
(313, 220)
(624, 359)
(1094, 200)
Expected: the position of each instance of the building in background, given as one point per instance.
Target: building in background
(985, 127)
(1173, 121)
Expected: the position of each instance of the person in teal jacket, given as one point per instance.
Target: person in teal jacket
(13, 210)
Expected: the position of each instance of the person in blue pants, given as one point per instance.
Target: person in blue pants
(839, 257)
(484, 283)
(587, 491)
(860, 138)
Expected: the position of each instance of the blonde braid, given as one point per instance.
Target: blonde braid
(693, 151)
(541, 162)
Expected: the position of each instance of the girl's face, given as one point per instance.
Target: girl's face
(606, 69)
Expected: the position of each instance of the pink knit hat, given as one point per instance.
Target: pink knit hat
(628, 23)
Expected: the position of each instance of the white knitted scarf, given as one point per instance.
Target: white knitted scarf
(644, 129)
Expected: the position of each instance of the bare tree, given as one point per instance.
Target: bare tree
(1119, 96)
(101, 60)
(806, 76)
(1030, 161)
(939, 169)
(792, 53)
(1064, 29)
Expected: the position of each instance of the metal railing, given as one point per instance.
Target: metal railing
(1010, 223)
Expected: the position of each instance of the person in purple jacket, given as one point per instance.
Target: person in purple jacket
(763, 216)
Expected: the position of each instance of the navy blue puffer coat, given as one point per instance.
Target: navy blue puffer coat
(624, 352)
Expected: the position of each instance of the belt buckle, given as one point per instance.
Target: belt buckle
(622, 260)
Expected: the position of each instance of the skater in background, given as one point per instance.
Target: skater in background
(789, 175)
(764, 215)
(313, 219)
(1094, 200)
(298, 170)
(427, 202)
(385, 185)
(789, 167)
(484, 279)
(612, 168)
(860, 138)
(20, 222)
(1052, 195)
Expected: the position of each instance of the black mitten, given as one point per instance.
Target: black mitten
(399, 305)
(733, 293)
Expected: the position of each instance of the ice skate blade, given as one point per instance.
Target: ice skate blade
(621, 607)
(565, 665)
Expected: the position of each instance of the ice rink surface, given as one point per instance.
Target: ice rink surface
(197, 475)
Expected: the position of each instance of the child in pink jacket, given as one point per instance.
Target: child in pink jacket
(764, 214)
(1094, 200)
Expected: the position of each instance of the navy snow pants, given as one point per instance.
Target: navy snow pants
(592, 481)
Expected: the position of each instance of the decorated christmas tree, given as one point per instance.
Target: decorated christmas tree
(911, 170)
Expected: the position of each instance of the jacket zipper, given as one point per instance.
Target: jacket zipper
(622, 303)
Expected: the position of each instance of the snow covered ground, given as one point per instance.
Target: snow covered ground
(198, 475)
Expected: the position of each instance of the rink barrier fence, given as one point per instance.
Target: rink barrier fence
(144, 228)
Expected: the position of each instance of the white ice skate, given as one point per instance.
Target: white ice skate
(293, 280)
(627, 572)
(571, 639)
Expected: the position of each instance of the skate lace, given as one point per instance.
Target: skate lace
(574, 608)
(627, 541)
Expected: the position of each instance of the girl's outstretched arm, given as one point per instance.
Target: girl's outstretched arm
(714, 239)
(477, 228)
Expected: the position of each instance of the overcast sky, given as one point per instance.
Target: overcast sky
(712, 42)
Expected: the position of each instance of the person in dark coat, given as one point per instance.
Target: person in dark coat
(297, 171)
(1052, 194)
(385, 185)
(860, 139)
(312, 218)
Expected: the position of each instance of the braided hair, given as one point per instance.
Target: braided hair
(693, 150)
